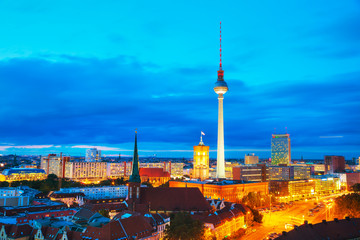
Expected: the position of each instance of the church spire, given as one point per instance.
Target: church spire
(135, 176)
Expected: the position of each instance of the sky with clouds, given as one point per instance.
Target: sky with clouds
(75, 74)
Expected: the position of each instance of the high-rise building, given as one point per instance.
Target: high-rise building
(334, 164)
(280, 149)
(251, 159)
(201, 161)
(93, 155)
(220, 89)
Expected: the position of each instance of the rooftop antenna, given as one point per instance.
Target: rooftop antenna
(274, 130)
(286, 130)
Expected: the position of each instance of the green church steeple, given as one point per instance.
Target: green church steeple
(135, 176)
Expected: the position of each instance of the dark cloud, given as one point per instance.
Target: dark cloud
(70, 100)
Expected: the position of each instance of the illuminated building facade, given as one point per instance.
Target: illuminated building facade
(226, 220)
(201, 161)
(327, 184)
(280, 149)
(334, 164)
(155, 176)
(251, 159)
(229, 169)
(21, 174)
(220, 89)
(176, 169)
(86, 171)
(251, 173)
(231, 191)
(301, 189)
(289, 172)
(118, 169)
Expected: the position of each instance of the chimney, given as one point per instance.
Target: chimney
(324, 221)
(347, 218)
(336, 220)
(306, 222)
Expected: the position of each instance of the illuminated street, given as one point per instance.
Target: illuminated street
(296, 215)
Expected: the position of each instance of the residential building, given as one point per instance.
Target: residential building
(280, 149)
(334, 164)
(226, 219)
(86, 171)
(120, 191)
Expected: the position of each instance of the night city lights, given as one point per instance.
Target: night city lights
(111, 130)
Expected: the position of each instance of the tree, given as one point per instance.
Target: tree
(356, 187)
(184, 227)
(348, 205)
(257, 216)
(104, 212)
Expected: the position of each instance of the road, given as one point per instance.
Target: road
(297, 214)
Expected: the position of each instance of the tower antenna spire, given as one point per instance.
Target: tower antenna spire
(220, 48)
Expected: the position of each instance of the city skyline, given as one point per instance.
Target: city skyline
(88, 80)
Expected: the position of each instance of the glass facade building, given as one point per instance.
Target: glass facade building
(280, 149)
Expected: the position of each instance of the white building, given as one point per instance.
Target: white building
(91, 171)
(120, 191)
(93, 155)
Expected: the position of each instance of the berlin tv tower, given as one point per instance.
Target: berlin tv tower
(220, 89)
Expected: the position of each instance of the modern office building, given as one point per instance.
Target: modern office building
(280, 149)
(289, 172)
(251, 173)
(201, 161)
(334, 164)
(251, 159)
(220, 89)
(93, 155)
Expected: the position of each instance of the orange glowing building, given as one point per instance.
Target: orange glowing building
(201, 161)
(232, 191)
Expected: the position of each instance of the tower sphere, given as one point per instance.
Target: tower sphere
(220, 87)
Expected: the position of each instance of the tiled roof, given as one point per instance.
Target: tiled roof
(338, 229)
(154, 172)
(84, 213)
(136, 226)
(174, 199)
(17, 231)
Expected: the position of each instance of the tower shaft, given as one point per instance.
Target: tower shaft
(220, 166)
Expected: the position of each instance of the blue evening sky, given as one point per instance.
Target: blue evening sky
(76, 74)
